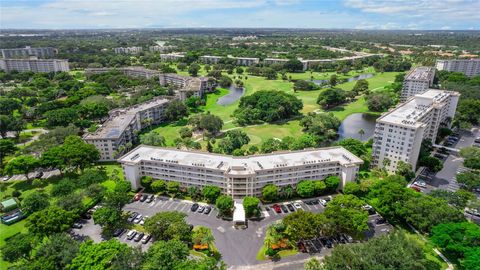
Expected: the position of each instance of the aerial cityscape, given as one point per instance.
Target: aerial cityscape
(225, 134)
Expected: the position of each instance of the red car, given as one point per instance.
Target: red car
(277, 208)
(137, 196)
(417, 189)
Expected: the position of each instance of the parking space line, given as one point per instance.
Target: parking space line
(176, 207)
(308, 206)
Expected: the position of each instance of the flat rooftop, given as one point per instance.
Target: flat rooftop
(255, 162)
(420, 73)
(121, 118)
(411, 111)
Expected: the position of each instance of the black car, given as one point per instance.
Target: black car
(144, 197)
(380, 221)
(118, 232)
(38, 175)
(150, 198)
(194, 207)
(132, 217)
(86, 216)
(291, 208)
(138, 237)
(328, 243)
(207, 210)
(77, 225)
(284, 208)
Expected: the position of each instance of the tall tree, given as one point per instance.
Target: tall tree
(22, 165)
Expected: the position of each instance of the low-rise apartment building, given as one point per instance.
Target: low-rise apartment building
(417, 81)
(35, 65)
(186, 86)
(469, 67)
(399, 133)
(123, 125)
(238, 176)
(127, 50)
(171, 57)
(162, 49)
(271, 61)
(210, 59)
(245, 61)
(41, 52)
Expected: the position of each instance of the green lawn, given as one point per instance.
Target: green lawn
(258, 133)
(7, 231)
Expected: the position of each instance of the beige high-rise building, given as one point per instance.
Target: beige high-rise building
(399, 133)
(417, 81)
(41, 52)
(469, 67)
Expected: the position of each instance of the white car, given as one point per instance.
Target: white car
(420, 183)
(297, 205)
(5, 178)
(138, 219)
(323, 202)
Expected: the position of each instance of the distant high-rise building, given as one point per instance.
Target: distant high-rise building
(469, 67)
(399, 133)
(42, 52)
(417, 81)
(35, 65)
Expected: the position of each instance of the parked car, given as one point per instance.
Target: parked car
(477, 140)
(194, 207)
(144, 197)
(348, 238)
(277, 208)
(381, 220)
(207, 210)
(131, 235)
(38, 174)
(77, 225)
(137, 219)
(146, 238)
(143, 220)
(291, 208)
(118, 232)
(137, 196)
(323, 202)
(301, 247)
(150, 198)
(201, 209)
(328, 243)
(420, 183)
(5, 178)
(472, 211)
(132, 217)
(297, 205)
(284, 208)
(86, 216)
(267, 208)
(138, 237)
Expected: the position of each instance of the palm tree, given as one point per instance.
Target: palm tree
(361, 132)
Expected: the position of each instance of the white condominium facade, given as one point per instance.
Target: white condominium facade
(399, 133)
(42, 52)
(123, 126)
(35, 65)
(210, 59)
(470, 68)
(271, 61)
(127, 50)
(158, 48)
(238, 176)
(417, 81)
(171, 56)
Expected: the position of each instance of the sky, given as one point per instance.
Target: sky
(340, 14)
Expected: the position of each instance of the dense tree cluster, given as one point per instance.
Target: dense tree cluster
(267, 106)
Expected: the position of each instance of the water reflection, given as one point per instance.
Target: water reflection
(234, 94)
(351, 126)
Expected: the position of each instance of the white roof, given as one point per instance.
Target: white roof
(241, 164)
(239, 212)
(410, 112)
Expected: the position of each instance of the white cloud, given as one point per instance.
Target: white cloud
(461, 10)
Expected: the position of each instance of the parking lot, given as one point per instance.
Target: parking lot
(452, 165)
(238, 247)
(44, 175)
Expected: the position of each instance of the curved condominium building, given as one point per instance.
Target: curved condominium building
(238, 176)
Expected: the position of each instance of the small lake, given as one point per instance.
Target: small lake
(354, 122)
(235, 93)
(351, 79)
